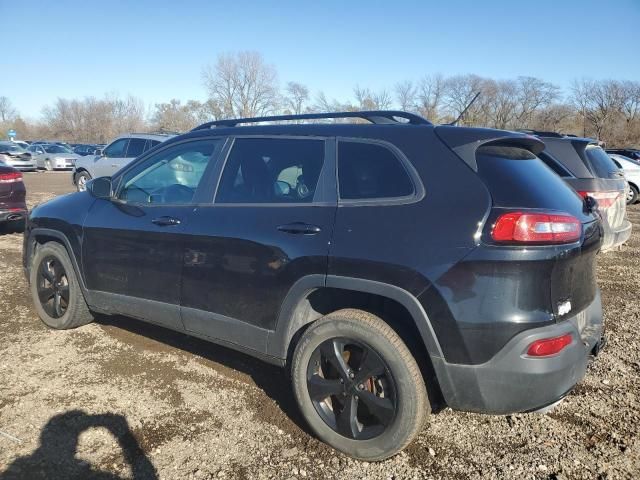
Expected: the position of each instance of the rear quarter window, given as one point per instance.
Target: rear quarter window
(516, 177)
(369, 171)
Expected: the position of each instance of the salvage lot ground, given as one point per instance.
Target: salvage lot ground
(120, 398)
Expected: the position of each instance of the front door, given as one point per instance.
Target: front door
(132, 252)
(269, 226)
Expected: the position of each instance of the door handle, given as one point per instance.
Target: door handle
(299, 228)
(165, 221)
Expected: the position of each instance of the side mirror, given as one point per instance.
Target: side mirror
(99, 152)
(100, 187)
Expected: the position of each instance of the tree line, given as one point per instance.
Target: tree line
(243, 84)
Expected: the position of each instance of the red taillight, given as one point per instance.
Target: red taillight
(536, 228)
(604, 199)
(549, 346)
(10, 177)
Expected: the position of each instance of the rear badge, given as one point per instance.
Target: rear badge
(564, 307)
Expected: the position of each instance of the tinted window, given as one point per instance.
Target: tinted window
(116, 149)
(271, 170)
(57, 149)
(516, 177)
(367, 171)
(601, 163)
(170, 176)
(554, 165)
(136, 147)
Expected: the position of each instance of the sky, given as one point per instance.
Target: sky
(156, 50)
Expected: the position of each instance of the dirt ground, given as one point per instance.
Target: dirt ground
(122, 399)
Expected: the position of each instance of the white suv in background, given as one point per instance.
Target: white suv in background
(114, 156)
(631, 169)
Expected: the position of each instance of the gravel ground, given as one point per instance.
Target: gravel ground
(122, 399)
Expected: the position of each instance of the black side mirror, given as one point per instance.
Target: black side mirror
(98, 152)
(100, 187)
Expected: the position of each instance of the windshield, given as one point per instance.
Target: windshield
(10, 147)
(56, 149)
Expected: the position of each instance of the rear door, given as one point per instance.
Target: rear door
(269, 225)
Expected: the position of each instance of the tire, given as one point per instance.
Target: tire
(403, 386)
(633, 195)
(76, 312)
(81, 180)
(47, 165)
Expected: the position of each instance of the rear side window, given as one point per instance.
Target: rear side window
(601, 163)
(554, 165)
(515, 177)
(136, 147)
(271, 170)
(371, 171)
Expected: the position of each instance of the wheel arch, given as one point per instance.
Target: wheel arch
(41, 236)
(297, 310)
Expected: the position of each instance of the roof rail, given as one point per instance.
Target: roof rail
(378, 117)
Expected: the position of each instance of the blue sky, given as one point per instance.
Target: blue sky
(156, 50)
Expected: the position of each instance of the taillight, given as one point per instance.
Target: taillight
(604, 199)
(10, 177)
(549, 346)
(523, 227)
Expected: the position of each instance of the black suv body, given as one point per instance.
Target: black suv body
(373, 259)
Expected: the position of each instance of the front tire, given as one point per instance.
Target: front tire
(81, 180)
(47, 165)
(55, 289)
(358, 385)
(633, 196)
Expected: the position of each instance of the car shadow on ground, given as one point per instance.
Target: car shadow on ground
(55, 457)
(271, 379)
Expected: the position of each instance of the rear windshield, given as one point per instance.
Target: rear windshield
(601, 163)
(517, 178)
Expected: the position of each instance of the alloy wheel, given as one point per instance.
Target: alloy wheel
(351, 388)
(82, 183)
(53, 287)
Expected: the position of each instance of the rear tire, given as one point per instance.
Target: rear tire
(55, 289)
(390, 403)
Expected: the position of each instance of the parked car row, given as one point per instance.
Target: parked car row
(394, 267)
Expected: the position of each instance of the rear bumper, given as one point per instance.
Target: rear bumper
(12, 215)
(513, 382)
(615, 237)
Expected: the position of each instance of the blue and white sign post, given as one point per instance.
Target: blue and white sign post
(11, 134)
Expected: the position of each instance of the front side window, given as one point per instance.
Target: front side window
(116, 149)
(170, 176)
(136, 147)
(271, 170)
(369, 171)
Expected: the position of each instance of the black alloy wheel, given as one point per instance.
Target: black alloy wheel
(351, 388)
(53, 287)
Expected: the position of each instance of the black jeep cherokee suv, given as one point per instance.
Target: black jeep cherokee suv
(389, 265)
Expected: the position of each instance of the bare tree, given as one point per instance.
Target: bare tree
(459, 91)
(242, 84)
(369, 100)
(598, 101)
(533, 94)
(430, 93)
(296, 98)
(406, 95)
(7, 112)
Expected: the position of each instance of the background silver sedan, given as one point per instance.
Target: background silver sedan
(53, 156)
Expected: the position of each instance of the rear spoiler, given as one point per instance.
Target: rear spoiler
(465, 141)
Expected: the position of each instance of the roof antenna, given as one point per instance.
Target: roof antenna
(455, 122)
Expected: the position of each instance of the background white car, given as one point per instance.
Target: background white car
(631, 169)
(17, 157)
(52, 156)
(113, 157)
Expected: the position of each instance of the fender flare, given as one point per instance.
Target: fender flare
(288, 323)
(47, 232)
